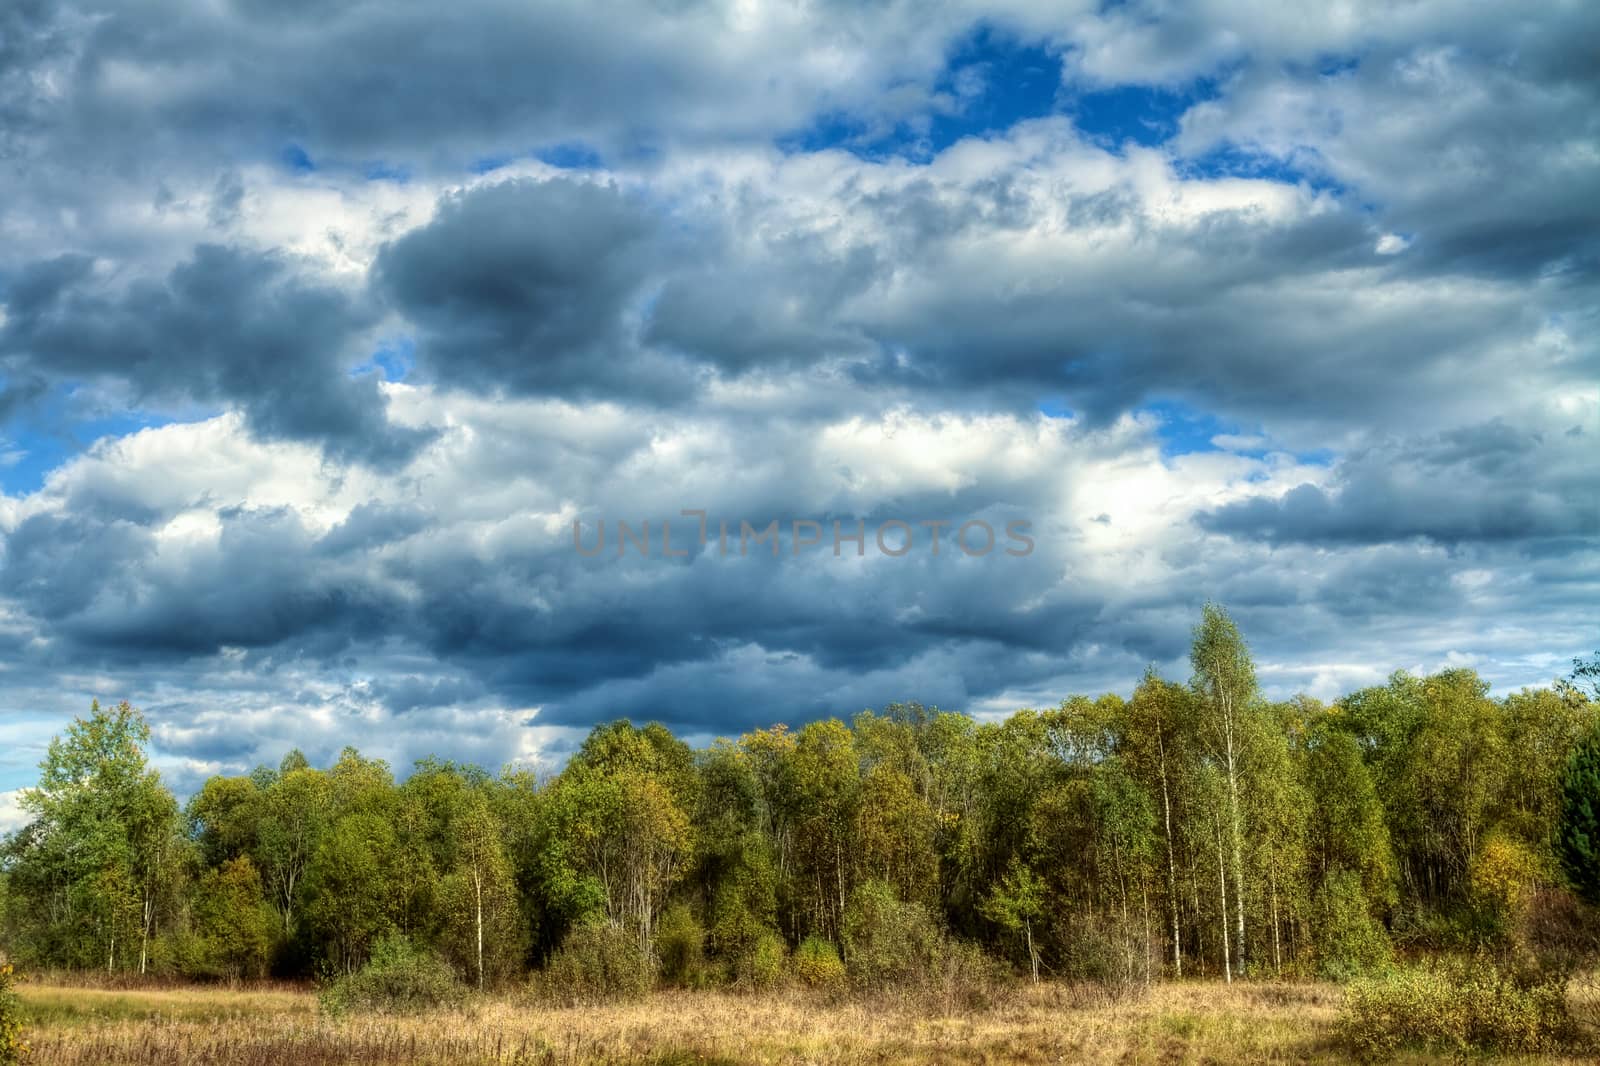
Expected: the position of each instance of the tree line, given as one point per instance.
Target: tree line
(1190, 829)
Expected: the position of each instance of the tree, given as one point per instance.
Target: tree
(622, 807)
(1159, 722)
(1014, 904)
(101, 852)
(351, 885)
(1225, 681)
(895, 835)
(1586, 674)
(223, 818)
(480, 893)
(294, 813)
(825, 776)
(232, 919)
(1347, 831)
(1578, 838)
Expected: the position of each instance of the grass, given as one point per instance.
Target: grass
(277, 1026)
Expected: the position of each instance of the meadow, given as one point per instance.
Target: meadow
(276, 1025)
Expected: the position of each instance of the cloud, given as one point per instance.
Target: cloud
(228, 326)
(528, 286)
(12, 816)
(1489, 482)
(313, 346)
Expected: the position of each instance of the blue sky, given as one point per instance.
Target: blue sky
(307, 369)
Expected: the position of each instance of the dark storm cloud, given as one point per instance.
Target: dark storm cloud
(1490, 482)
(258, 586)
(412, 81)
(780, 307)
(227, 327)
(1474, 133)
(408, 693)
(526, 286)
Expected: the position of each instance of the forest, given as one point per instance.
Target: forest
(1192, 828)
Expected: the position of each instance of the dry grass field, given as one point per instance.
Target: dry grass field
(1187, 1023)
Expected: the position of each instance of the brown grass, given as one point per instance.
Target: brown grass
(1175, 1023)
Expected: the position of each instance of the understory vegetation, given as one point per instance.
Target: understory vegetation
(912, 856)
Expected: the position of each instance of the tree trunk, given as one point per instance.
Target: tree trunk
(1144, 898)
(1194, 903)
(1236, 830)
(477, 890)
(1172, 865)
(1277, 949)
(1222, 917)
(144, 932)
(838, 861)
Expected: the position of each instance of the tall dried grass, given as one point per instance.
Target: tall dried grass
(1191, 1022)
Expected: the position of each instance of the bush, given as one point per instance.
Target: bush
(12, 1047)
(1089, 948)
(680, 945)
(1456, 1008)
(598, 961)
(399, 978)
(966, 979)
(761, 964)
(817, 963)
(1350, 941)
(888, 942)
(893, 946)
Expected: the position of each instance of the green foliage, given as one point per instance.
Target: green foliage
(399, 978)
(351, 887)
(888, 942)
(1578, 838)
(232, 923)
(96, 870)
(761, 965)
(817, 964)
(680, 946)
(896, 947)
(1347, 829)
(13, 1048)
(1015, 904)
(598, 962)
(1193, 829)
(1350, 941)
(1457, 1008)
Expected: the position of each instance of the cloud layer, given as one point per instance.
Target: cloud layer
(321, 325)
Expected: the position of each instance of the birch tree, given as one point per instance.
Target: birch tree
(1225, 683)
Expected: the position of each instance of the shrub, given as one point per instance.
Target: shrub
(12, 1047)
(1350, 941)
(1456, 1008)
(1555, 933)
(893, 946)
(966, 979)
(1099, 949)
(888, 942)
(399, 978)
(761, 965)
(598, 961)
(817, 963)
(680, 945)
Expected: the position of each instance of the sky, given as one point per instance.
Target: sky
(322, 323)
